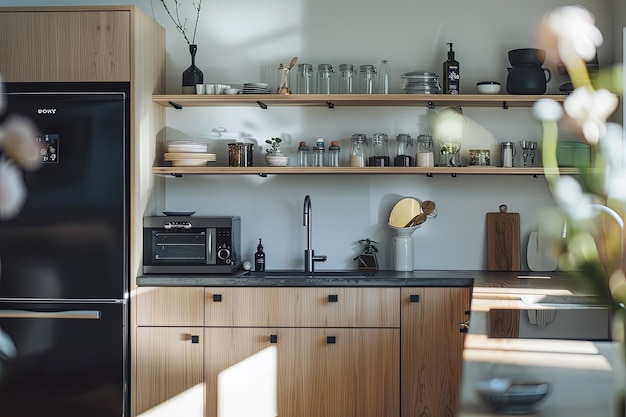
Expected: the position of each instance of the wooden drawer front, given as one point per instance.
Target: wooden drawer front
(303, 307)
(169, 306)
(65, 46)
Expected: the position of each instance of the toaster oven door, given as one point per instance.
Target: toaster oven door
(180, 247)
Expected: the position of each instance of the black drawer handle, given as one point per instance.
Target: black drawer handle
(414, 298)
(333, 298)
(331, 340)
(217, 298)
(195, 339)
(273, 338)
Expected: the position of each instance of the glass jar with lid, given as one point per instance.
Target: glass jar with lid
(358, 151)
(318, 153)
(304, 82)
(425, 156)
(347, 79)
(325, 78)
(367, 79)
(304, 153)
(404, 151)
(333, 154)
(380, 151)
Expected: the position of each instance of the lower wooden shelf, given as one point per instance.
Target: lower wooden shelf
(430, 171)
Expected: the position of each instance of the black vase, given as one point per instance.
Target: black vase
(192, 75)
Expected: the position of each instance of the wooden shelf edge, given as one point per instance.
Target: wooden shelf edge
(334, 100)
(265, 170)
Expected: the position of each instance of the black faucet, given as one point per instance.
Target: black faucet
(309, 253)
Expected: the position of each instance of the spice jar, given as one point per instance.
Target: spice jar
(404, 151)
(425, 156)
(318, 153)
(358, 151)
(325, 78)
(240, 154)
(380, 152)
(303, 154)
(333, 154)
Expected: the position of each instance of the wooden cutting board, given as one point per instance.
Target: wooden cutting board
(503, 241)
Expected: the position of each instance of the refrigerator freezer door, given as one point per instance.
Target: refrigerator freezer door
(68, 360)
(70, 239)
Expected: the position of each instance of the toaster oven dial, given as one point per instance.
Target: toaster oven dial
(223, 253)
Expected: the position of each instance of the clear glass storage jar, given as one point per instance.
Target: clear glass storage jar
(425, 156)
(404, 151)
(367, 79)
(380, 151)
(347, 79)
(325, 78)
(358, 151)
(304, 80)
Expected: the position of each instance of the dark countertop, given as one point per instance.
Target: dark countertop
(422, 278)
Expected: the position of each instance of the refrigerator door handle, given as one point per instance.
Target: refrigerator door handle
(69, 314)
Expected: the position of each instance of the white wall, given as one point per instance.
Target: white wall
(239, 40)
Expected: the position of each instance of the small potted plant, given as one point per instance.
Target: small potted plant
(366, 261)
(274, 157)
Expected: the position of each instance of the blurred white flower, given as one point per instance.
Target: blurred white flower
(570, 198)
(613, 151)
(590, 109)
(547, 109)
(571, 31)
(12, 189)
(17, 141)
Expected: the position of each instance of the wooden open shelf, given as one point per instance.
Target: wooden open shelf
(339, 100)
(265, 170)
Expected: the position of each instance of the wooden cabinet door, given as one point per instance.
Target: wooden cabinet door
(302, 372)
(432, 349)
(53, 45)
(169, 371)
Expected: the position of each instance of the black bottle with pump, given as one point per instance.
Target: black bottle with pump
(259, 258)
(451, 74)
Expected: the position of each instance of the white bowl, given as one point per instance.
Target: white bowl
(488, 87)
(232, 91)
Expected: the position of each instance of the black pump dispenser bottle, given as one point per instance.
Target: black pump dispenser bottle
(259, 258)
(451, 74)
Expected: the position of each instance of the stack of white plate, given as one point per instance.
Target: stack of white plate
(188, 153)
(421, 82)
(256, 88)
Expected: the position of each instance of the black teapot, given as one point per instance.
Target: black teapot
(527, 76)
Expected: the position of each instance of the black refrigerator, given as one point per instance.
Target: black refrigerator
(64, 259)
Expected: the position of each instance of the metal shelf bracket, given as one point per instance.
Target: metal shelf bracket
(262, 105)
(330, 104)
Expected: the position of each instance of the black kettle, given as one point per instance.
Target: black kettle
(527, 76)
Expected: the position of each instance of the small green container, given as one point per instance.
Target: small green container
(573, 154)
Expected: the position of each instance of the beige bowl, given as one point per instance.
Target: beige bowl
(232, 91)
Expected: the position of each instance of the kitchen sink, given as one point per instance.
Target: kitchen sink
(339, 274)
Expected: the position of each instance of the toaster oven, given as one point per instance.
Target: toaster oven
(188, 244)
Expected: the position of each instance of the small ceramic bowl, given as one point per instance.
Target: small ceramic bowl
(232, 91)
(488, 87)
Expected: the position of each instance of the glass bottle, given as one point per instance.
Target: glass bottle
(318, 153)
(305, 79)
(404, 151)
(380, 152)
(346, 79)
(333, 154)
(358, 151)
(367, 79)
(384, 78)
(425, 156)
(303, 154)
(325, 78)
